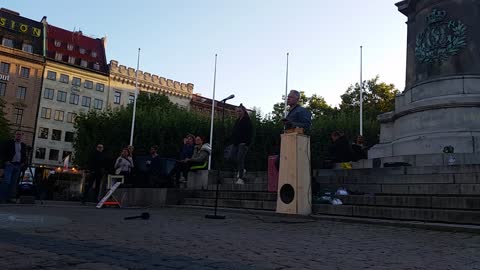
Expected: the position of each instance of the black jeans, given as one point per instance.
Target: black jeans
(95, 178)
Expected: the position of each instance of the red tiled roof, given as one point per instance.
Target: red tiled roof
(79, 41)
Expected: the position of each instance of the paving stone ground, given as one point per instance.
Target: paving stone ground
(67, 237)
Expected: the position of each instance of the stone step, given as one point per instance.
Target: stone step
(446, 178)
(234, 187)
(407, 170)
(229, 180)
(400, 213)
(249, 204)
(436, 202)
(408, 189)
(236, 195)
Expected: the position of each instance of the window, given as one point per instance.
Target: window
(57, 43)
(53, 155)
(51, 75)
(82, 51)
(74, 98)
(131, 99)
(66, 154)
(64, 78)
(24, 72)
(69, 136)
(43, 133)
(62, 96)
(96, 66)
(58, 56)
(27, 48)
(18, 116)
(7, 42)
(3, 89)
(83, 63)
(40, 153)
(98, 104)
(94, 54)
(71, 117)
(70, 47)
(100, 87)
(21, 92)
(76, 81)
(88, 84)
(48, 93)
(71, 60)
(116, 97)
(46, 113)
(4, 68)
(86, 101)
(58, 116)
(56, 135)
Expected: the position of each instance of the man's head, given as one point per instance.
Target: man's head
(153, 150)
(293, 97)
(100, 147)
(190, 139)
(335, 136)
(18, 136)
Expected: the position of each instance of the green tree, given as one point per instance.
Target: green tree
(378, 98)
(318, 106)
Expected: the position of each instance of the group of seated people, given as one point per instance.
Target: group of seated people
(342, 151)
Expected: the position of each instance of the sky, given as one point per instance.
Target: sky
(179, 40)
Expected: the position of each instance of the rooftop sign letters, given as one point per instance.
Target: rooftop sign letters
(20, 27)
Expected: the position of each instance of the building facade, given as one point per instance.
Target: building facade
(75, 80)
(122, 86)
(21, 69)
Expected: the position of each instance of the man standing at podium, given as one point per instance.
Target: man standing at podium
(297, 117)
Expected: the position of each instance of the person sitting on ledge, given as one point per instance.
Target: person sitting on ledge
(199, 159)
(359, 149)
(340, 150)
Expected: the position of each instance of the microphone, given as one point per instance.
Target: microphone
(227, 98)
(144, 215)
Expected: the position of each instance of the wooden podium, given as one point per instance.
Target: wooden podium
(294, 181)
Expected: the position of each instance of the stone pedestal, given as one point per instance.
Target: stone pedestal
(440, 106)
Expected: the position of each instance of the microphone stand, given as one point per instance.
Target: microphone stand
(215, 216)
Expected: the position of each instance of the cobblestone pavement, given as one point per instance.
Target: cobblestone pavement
(54, 237)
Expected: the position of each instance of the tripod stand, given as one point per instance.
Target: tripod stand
(215, 216)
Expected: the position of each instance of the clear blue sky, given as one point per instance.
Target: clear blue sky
(180, 38)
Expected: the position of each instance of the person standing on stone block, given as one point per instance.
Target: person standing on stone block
(241, 138)
(14, 155)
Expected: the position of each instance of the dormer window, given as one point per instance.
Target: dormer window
(58, 56)
(82, 51)
(70, 47)
(27, 48)
(94, 54)
(96, 66)
(71, 60)
(83, 63)
(57, 43)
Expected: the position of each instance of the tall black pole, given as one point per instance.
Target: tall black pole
(215, 216)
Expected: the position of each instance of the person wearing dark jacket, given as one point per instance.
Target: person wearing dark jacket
(340, 150)
(241, 140)
(96, 167)
(14, 158)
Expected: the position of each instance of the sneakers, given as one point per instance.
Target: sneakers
(240, 181)
(244, 172)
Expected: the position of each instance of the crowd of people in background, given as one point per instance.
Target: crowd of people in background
(193, 155)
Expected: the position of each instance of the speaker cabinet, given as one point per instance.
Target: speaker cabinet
(294, 181)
